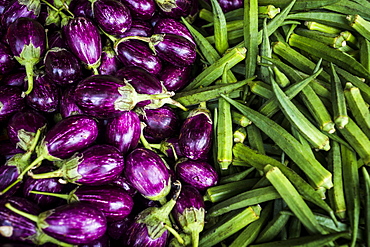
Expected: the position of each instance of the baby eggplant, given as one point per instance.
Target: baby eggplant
(11, 101)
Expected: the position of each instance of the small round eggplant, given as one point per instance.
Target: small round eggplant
(17, 9)
(99, 164)
(124, 131)
(174, 8)
(27, 41)
(22, 127)
(227, 5)
(173, 26)
(112, 16)
(137, 53)
(82, 8)
(175, 78)
(11, 101)
(84, 40)
(174, 49)
(7, 62)
(160, 123)
(189, 212)
(143, 9)
(68, 106)
(45, 94)
(17, 79)
(195, 137)
(147, 172)
(109, 61)
(62, 66)
(137, 235)
(75, 223)
(199, 174)
(139, 28)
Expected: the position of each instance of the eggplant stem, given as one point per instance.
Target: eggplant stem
(195, 238)
(29, 72)
(63, 196)
(32, 217)
(174, 233)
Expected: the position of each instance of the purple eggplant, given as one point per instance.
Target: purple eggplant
(137, 53)
(137, 235)
(17, 9)
(227, 5)
(22, 127)
(147, 172)
(160, 123)
(105, 96)
(103, 241)
(197, 173)
(16, 79)
(45, 94)
(75, 223)
(7, 62)
(56, 40)
(116, 229)
(139, 28)
(122, 182)
(189, 212)
(174, 8)
(10, 173)
(68, 106)
(195, 137)
(112, 16)
(124, 131)
(62, 66)
(82, 8)
(175, 78)
(8, 149)
(109, 61)
(3, 5)
(11, 101)
(169, 147)
(143, 9)
(97, 165)
(27, 41)
(114, 202)
(50, 185)
(84, 40)
(173, 26)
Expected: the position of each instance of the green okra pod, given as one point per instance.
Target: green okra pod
(333, 40)
(366, 184)
(364, 52)
(273, 228)
(220, 29)
(328, 18)
(316, 26)
(240, 135)
(240, 119)
(338, 99)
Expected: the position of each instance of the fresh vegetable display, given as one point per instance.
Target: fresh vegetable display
(184, 123)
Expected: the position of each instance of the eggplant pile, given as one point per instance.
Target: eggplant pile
(94, 149)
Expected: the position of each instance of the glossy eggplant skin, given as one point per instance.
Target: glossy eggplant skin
(174, 8)
(147, 172)
(116, 229)
(67, 104)
(17, 9)
(62, 66)
(84, 40)
(227, 5)
(143, 9)
(109, 61)
(11, 101)
(189, 197)
(103, 241)
(173, 26)
(122, 182)
(75, 223)
(175, 78)
(7, 61)
(114, 202)
(199, 174)
(175, 49)
(139, 28)
(160, 123)
(137, 53)
(24, 229)
(137, 236)
(15, 79)
(70, 135)
(56, 39)
(124, 131)
(8, 175)
(82, 8)
(196, 134)
(27, 120)
(112, 16)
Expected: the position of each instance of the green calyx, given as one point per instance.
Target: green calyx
(192, 222)
(166, 5)
(32, 5)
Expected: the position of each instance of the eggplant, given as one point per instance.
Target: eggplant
(9, 174)
(227, 5)
(62, 66)
(17, 79)
(105, 96)
(137, 235)
(22, 127)
(189, 212)
(139, 28)
(142, 10)
(169, 147)
(11, 101)
(45, 94)
(197, 173)
(124, 131)
(122, 182)
(137, 53)
(173, 26)
(116, 229)
(3, 5)
(114, 202)
(109, 61)
(195, 137)
(82, 8)
(174, 8)
(56, 40)
(174, 49)
(148, 173)
(175, 78)
(8, 150)
(75, 223)
(160, 123)
(84, 40)
(99, 164)
(27, 41)
(7, 62)
(103, 241)
(17, 9)
(112, 16)
(68, 106)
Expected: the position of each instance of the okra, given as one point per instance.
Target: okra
(299, 5)
(265, 51)
(255, 138)
(240, 119)
(333, 40)
(365, 52)
(338, 99)
(239, 135)
(366, 184)
(229, 225)
(348, 8)
(220, 29)
(236, 176)
(316, 26)
(281, 79)
(328, 18)
(294, 228)
(350, 38)
(261, 89)
(273, 228)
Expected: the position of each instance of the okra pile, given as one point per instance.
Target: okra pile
(184, 123)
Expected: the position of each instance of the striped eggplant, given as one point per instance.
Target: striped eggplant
(11, 101)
